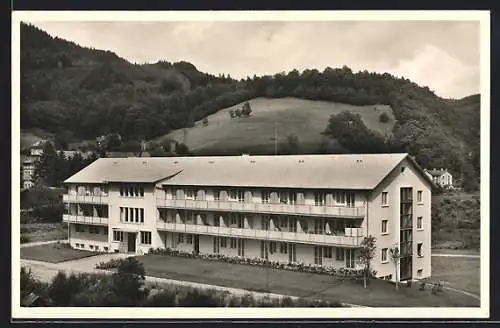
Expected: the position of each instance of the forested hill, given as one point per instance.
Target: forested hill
(82, 93)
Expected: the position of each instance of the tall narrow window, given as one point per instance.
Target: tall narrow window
(419, 222)
(419, 250)
(384, 226)
(142, 215)
(384, 255)
(419, 196)
(384, 198)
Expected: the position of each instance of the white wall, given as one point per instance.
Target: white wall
(376, 212)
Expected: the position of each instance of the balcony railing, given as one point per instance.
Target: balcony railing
(73, 218)
(92, 199)
(352, 236)
(335, 211)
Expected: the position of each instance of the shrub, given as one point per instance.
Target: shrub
(161, 299)
(63, 288)
(111, 264)
(198, 298)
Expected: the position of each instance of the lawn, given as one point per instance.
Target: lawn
(53, 253)
(257, 131)
(253, 278)
(44, 231)
(459, 272)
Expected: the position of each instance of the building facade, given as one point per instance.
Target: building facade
(311, 209)
(440, 177)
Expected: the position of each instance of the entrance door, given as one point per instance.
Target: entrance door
(349, 258)
(131, 241)
(197, 244)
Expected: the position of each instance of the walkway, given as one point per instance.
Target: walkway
(38, 243)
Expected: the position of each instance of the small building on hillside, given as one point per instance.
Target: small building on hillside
(440, 177)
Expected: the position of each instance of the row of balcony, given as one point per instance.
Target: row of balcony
(91, 199)
(73, 218)
(227, 206)
(351, 237)
(224, 206)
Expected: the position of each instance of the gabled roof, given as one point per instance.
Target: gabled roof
(123, 170)
(436, 172)
(353, 171)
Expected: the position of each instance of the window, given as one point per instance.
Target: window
(96, 247)
(419, 273)
(384, 227)
(105, 231)
(272, 247)
(223, 242)
(136, 215)
(419, 222)
(142, 215)
(339, 254)
(141, 191)
(146, 237)
(94, 229)
(419, 250)
(265, 197)
(189, 239)
(319, 199)
(117, 235)
(122, 191)
(180, 238)
(233, 242)
(232, 219)
(189, 194)
(174, 194)
(216, 195)
(384, 255)
(419, 196)
(79, 228)
(241, 196)
(283, 248)
(384, 198)
(327, 252)
(283, 222)
(264, 223)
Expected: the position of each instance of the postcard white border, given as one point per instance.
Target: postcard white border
(248, 313)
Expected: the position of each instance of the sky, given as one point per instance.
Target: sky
(443, 55)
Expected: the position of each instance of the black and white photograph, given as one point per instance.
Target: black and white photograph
(215, 164)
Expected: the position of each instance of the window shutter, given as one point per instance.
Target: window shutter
(329, 199)
(180, 194)
(300, 199)
(248, 196)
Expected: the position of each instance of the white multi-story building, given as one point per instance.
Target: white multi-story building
(313, 209)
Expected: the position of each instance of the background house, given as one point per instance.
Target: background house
(441, 177)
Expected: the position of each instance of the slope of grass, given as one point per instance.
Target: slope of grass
(292, 116)
(456, 221)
